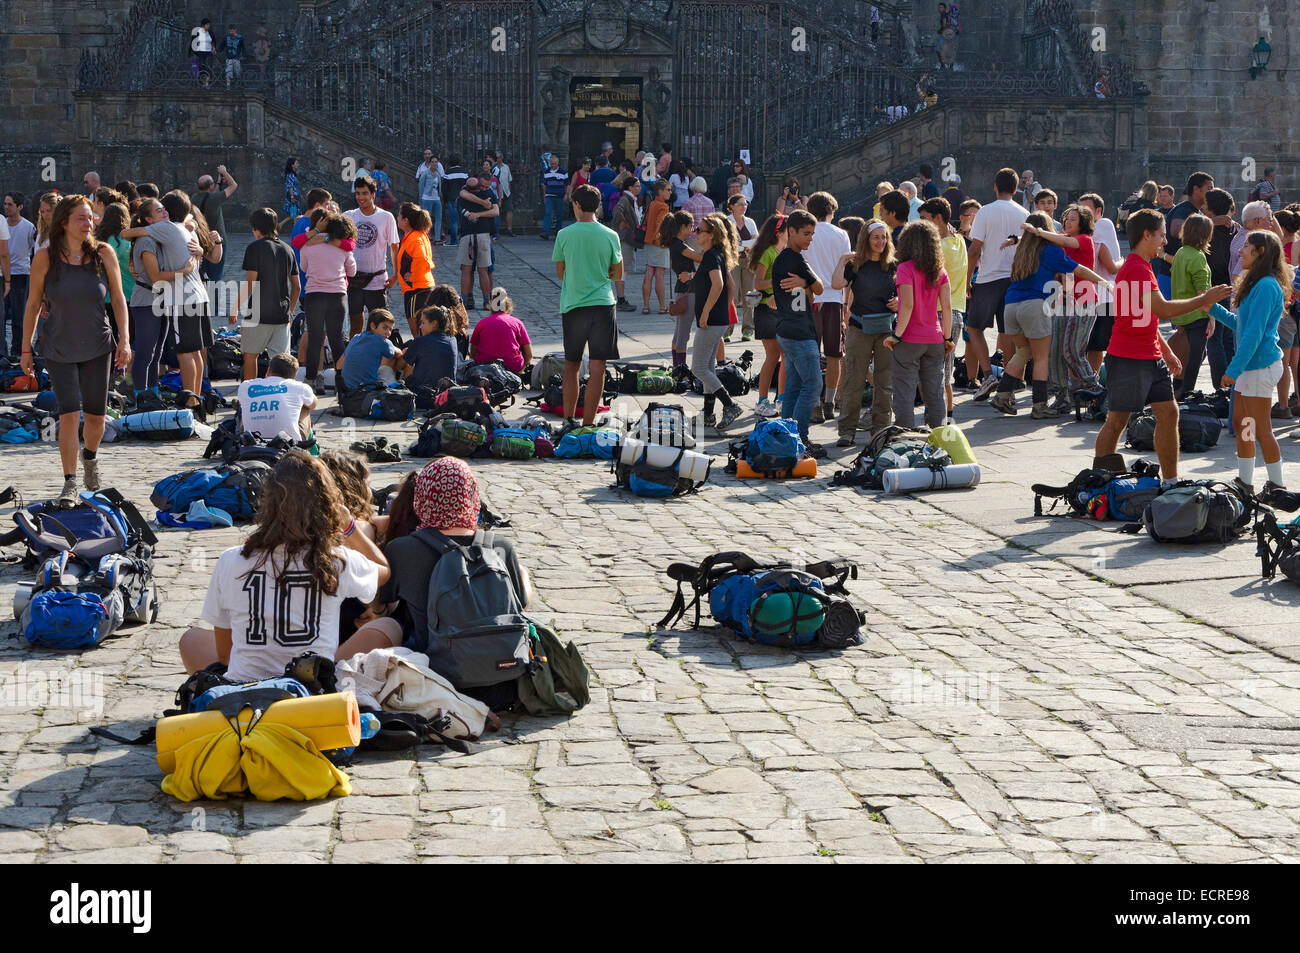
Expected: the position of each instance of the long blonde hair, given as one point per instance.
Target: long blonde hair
(725, 237)
(862, 253)
(1029, 248)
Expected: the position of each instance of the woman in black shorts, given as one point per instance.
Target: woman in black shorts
(72, 277)
(194, 319)
(769, 244)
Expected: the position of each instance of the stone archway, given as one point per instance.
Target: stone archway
(606, 69)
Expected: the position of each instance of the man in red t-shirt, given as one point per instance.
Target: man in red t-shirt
(1138, 361)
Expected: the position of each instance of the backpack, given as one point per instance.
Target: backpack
(550, 365)
(468, 403)
(771, 603)
(86, 588)
(358, 403)
(664, 424)
(156, 425)
(661, 477)
(395, 402)
(514, 443)
(497, 383)
(233, 487)
(477, 635)
(772, 448)
(1127, 492)
(559, 684)
(225, 359)
(460, 438)
(1198, 429)
(1254, 194)
(733, 374)
(644, 379)
(1198, 511)
(101, 524)
(890, 449)
(1278, 547)
(579, 442)
(1218, 403)
(1124, 498)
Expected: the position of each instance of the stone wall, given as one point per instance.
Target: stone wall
(1205, 112)
(173, 140)
(1074, 145)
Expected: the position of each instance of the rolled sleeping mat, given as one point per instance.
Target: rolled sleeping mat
(693, 466)
(330, 721)
(807, 467)
(950, 438)
(914, 479)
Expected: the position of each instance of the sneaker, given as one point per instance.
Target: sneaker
(1061, 403)
(983, 391)
(727, 337)
(1280, 413)
(845, 442)
(968, 387)
(1043, 411)
(816, 451)
(766, 408)
(829, 409)
(625, 305)
(318, 385)
(746, 335)
(69, 492)
(710, 422)
(90, 470)
(1003, 403)
(729, 416)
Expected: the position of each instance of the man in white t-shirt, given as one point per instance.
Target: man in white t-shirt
(277, 403)
(501, 172)
(994, 224)
(829, 244)
(22, 245)
(377, 238)
(1108, 259)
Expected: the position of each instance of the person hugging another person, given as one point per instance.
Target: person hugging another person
(921, 338)
(1256, 367)
(279, 593)
(371, 358)
(501, 336)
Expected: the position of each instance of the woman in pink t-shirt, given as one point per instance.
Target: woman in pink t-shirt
(501, 336)
(920, 339)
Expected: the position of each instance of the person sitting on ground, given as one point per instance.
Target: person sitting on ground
(278, 594)
(433, 355)
(277, 403)
(445, 296)
(351, 475)
(445, 499)
(1256, 367)
(371, 358)
(501, 336)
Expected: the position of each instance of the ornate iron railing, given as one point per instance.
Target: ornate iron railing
(1061, 17)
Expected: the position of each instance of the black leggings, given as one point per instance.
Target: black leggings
(326, 313)
(83, 385)
(150, 339)
(1197, 348)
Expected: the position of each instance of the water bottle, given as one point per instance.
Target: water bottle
(369, 725)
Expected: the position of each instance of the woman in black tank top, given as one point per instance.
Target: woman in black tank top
(73, 276)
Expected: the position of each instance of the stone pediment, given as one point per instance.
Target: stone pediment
(602, 37)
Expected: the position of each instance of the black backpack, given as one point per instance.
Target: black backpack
(496, 381)
(225, 360)
(1198, 429)
(1198, 511)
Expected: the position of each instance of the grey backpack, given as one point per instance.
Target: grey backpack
(1197, 511)
(477, 632)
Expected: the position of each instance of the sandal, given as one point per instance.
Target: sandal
(645, 310)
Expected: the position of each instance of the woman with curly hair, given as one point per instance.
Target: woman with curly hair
(445, 296)
(279, 593)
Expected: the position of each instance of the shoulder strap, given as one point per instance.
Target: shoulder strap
(438, 542)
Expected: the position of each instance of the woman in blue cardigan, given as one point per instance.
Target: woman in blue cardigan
(1257, 366)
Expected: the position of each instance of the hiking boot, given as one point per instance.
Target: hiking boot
(710, 422)
(318, 385)
(1004, 403)
(69, 492)
(90, 470)
(729, 416)
(818, 415)
(986, 387)
(766, 408)
(1280, 413)
(1270, 487)
(1041, 411)
(625, 305)
(1244, 487)
(816, 451)
(1061, 403)
(844, 442)
(828, 410)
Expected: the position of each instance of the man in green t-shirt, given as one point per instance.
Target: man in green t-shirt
(587, 258)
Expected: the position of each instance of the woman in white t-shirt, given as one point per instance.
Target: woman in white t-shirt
(278, 595)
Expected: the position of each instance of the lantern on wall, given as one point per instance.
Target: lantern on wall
(1259, 55)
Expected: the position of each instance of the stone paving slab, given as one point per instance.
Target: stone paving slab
(1017, 699)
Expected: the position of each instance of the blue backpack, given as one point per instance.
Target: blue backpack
(158, 425)
(258, 694)
(588, 442)
(1127, 497)
(774, 446)
(235, 488)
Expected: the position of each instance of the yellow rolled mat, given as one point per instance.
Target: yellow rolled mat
(330, 721)
(807, 467)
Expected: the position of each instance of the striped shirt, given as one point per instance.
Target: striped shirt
(556, 180)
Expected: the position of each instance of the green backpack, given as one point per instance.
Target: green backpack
(905, 454)
(559, 685)
(654, 381)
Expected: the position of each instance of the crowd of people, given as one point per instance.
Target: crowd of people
(120, 279)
